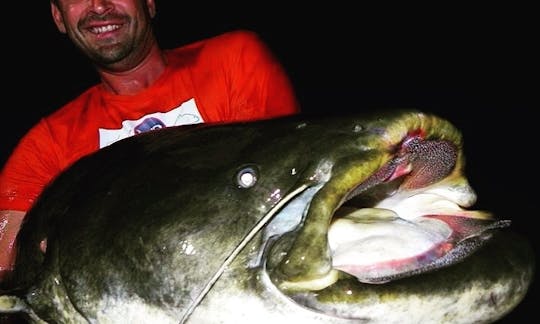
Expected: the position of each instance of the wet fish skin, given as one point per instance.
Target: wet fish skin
(141, 227)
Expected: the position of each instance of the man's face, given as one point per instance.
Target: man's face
(109, 32)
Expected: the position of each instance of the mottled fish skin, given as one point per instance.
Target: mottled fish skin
(482, 289)
(152, 230)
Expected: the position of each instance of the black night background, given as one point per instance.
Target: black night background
(476, 66)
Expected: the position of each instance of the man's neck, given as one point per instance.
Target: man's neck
(136, 79)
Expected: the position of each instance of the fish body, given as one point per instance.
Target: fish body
(294, 219)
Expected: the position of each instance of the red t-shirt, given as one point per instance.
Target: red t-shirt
(230, 77)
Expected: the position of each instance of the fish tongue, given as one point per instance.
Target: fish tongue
(374, 243)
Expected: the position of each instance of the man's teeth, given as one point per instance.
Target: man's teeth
(104, 29)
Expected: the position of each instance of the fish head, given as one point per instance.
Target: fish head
(387, 199)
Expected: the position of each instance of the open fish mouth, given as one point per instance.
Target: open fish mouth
(399, 210)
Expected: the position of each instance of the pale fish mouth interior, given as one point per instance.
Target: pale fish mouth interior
(379, 248)
(405, 232)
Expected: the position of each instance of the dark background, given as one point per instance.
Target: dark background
(475, 66)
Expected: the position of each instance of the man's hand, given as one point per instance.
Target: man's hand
(10, 222)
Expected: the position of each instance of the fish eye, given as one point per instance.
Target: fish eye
(247, 177)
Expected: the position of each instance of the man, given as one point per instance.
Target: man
(226, 78)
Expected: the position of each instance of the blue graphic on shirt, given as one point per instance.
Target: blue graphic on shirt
(149, 124)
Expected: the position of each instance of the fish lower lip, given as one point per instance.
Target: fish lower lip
(385, 247)
(390, 269)
(382, 249)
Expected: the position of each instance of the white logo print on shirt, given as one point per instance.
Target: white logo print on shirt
(185, 114)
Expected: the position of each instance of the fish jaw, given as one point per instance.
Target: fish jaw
(427, 229)
(418, 159)
(481, 289)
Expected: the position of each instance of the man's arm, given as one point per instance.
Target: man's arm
(10, 222)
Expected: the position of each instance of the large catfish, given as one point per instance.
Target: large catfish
(341, 219)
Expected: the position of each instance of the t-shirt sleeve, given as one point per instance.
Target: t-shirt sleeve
(30, 167)
(260, 87)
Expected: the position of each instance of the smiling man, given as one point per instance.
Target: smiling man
(225, 78)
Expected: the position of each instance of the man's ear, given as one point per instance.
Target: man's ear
(151, 7)
(58, 19)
